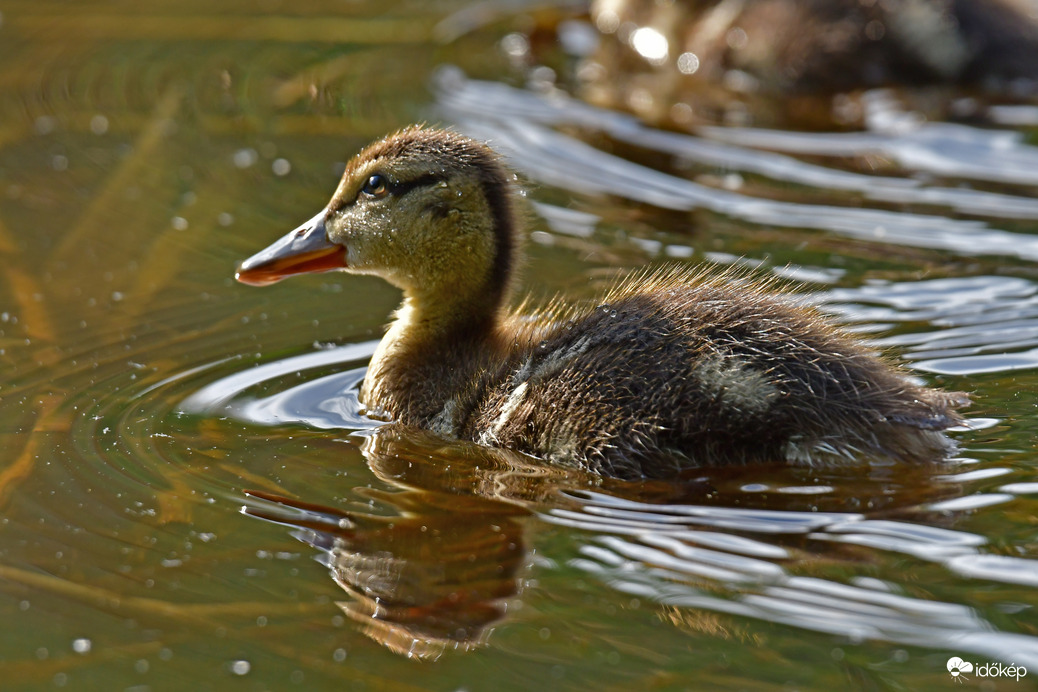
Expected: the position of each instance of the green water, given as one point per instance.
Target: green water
(147, 147)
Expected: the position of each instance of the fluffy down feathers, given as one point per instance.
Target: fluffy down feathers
(674, 369)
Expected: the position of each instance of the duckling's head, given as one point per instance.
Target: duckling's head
(430, 211)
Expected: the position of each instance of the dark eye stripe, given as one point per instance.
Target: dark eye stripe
(404, 186)
(398, 189)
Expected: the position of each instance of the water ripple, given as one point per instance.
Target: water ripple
(927, 542)
(944, 149)
(653, 559)
(1003, 568)
(557, 159)
(485, 103)
(630, 515)
(982, 320)
(324, 402)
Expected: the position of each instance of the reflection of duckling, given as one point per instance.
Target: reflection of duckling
(420, 583)
(673, 369)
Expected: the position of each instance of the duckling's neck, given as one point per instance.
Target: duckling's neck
(445, 341)
(430, 365)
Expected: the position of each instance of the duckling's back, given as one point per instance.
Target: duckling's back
(671, 373)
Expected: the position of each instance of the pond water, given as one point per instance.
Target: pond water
(190, 497)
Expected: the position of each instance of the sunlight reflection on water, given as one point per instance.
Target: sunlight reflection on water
(324, 402)
(650, 553)
(980, 321)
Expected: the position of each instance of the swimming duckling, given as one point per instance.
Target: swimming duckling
(825, 45)
(779, 63)
(672, 370)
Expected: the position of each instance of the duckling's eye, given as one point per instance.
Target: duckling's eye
(375, 186)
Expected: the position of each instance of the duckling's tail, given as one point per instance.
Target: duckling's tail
(906, 432)
(917, 433)
(938, 410)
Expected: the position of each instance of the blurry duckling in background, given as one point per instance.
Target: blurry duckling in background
(673, 370)
(831, 44)
(666, 61)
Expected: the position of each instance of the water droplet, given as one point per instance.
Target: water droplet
(281, 167)
(515, 45)
(688, 63)
(45, 124)
(99, 124)
(650, 44)
(736, 38)
(241, 667)
(81, 645)
(607, 21)
(243, 158)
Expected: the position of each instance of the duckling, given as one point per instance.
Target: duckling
(828, 45)
(781, 62)
(673, 369)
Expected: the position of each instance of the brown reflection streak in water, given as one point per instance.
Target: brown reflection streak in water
(22, 466)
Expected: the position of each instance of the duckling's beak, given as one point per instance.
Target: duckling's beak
(304, 250)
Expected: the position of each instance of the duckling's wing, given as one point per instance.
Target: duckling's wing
(711, 374)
